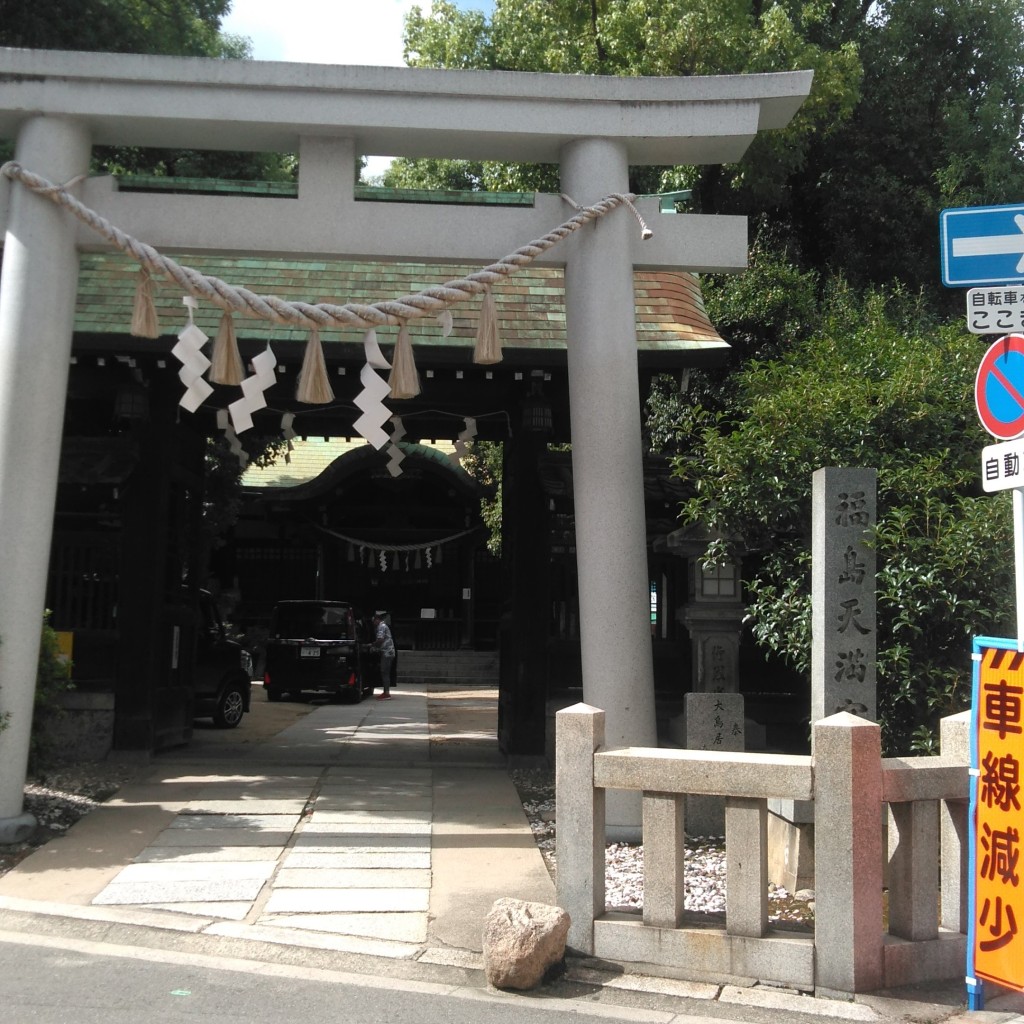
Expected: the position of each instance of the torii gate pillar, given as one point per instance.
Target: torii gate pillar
(39, 283)
(607, 460)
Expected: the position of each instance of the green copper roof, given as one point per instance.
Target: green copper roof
(670, 315)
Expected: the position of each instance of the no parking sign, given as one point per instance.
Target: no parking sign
(999, 388)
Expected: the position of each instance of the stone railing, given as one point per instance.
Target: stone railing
(879, 823)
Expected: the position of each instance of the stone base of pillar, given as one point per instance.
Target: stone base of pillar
(16, 829)
(790, 853)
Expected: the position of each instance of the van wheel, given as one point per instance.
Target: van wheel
(274, 694)
(231, 708)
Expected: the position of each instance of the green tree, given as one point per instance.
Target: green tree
(637, 38)
(876, 384)
(939, 124)
(483, 462)
(187, 28)
(916, 105)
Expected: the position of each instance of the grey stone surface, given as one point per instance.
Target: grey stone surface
(790, 853)
(324, 842)
(746, 872)
(374, 877)
(274, 806)
(915, 963)
(400, 927)
(327, 901)
(714, 721)
(371, 826)
(955, 742)
(348, 860)
(219, 837)
(844, 636)
(249, 822)
(222, 909)
(581, 821)
(705, 771)
(522, 941)
(213, 854)
(399, 803)
(707, 953)
(314, 940)
(786, 1003)
(913, 878)
(186, 891)
(848, 854)
(196, 871)
(924, 778)
(664, 859)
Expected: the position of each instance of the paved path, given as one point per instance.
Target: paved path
(363, 828)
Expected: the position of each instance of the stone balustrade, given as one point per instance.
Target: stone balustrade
(879, 824)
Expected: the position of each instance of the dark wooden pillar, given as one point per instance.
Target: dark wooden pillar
(523, 631)
(155, 615)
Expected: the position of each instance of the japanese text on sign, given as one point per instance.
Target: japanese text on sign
(1002, 465)
(998, 907)
(995, 310)
(851, 514)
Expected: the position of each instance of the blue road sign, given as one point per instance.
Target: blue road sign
(982, 245)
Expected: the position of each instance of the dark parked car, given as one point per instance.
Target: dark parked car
(223, 677)
(318, 647)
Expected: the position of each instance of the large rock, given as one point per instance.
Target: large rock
(522, 942)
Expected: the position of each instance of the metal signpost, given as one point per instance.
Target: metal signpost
(982, 249)
(995, 945)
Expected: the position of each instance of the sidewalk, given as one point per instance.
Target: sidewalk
(371, 838)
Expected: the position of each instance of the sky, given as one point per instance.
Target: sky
(328, 31)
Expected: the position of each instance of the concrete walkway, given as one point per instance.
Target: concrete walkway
(356, 828)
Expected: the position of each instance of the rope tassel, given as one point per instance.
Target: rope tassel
(314, 386)
(488, 341)
(226, 362)
(144, 320)
(404, 379)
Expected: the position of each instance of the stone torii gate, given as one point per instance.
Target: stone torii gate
(58, 105)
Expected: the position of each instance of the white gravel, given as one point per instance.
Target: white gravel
(624, 862)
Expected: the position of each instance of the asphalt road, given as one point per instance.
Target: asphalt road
(51, 980)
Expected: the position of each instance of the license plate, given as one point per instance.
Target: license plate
(309, 652)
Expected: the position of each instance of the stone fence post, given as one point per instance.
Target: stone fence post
(954, 741)
(579, 732)
(848, 855)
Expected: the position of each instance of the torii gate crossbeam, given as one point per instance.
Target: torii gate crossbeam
(58, 105)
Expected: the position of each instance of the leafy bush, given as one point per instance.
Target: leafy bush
(877, 384)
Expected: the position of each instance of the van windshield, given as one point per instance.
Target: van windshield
(314, 621)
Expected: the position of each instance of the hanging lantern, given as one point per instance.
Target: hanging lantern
(536, 408)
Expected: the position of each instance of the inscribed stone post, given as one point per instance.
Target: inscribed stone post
(844, 640)
(714, 721)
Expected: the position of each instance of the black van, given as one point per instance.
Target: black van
(318, 647)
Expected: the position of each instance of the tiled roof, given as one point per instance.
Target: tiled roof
(314, 455)
(670, 315)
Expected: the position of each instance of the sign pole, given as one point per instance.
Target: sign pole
(1018, 560)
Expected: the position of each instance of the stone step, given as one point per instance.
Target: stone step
(448, 666)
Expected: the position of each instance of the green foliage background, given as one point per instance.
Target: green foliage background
(878, 383)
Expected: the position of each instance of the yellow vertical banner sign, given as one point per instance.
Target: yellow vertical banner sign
(996, 939)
